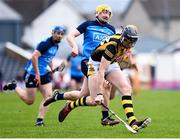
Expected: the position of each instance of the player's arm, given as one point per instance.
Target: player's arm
(51, 65)
(35, 57)
(71, 41)
(132, 60)
(108, 55)
(72, 35)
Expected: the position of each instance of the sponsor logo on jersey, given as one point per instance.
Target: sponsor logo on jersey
(99, 37)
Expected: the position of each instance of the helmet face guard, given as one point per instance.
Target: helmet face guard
(129, 36)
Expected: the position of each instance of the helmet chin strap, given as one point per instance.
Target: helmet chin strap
(100, 20)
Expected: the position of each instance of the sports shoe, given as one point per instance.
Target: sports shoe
(52, 98)
(141, 124)
(109, 121)
(10, 86)
(64, 112)
(39, 123)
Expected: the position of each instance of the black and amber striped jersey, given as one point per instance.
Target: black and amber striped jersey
(112, 49)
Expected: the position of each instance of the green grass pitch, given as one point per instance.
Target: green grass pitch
(17, 119)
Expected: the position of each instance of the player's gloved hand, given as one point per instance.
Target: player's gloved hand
(99, 99)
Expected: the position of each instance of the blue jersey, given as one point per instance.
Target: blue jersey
(75, 65)
(94, 33)
(48, 50)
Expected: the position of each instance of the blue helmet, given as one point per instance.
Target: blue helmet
(59, 29)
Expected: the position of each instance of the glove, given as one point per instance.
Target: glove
(99, 99)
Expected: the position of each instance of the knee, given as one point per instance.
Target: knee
(29, 102)
(126, 90)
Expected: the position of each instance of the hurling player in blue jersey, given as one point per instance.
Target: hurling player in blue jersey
(94, 32)
(37, 74)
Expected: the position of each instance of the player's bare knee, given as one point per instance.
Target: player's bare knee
(126, 90)
(29, 102)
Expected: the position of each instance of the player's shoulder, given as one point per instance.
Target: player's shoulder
(115, 37)
(89, 22)
(86, 24)
(45, 44)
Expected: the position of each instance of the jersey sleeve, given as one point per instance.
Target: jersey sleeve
(82, 27)
(110, 52)
(42, 47)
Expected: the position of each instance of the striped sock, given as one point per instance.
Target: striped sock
(79, 102)
(128, 108)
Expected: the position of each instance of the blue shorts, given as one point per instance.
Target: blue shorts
(77, 79)
(31, 83)
(84, 67)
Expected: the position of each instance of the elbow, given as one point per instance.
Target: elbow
(34, 58)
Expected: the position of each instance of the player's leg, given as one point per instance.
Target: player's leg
(71, 95)
(89, 100)
(118, 79)
(46, 91)
(26, 95)
(106, 92)
(106, 120)
(91, 82)
(93, 90)
(113, 92)
(82, 101)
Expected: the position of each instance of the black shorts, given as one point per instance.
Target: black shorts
(31, 83)
(84, 67)
(77, 79)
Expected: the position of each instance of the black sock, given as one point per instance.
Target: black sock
(60, 96)
(105, 114)
(39, 119)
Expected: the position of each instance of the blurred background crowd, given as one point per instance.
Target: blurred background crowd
(24, 23)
